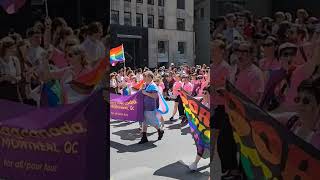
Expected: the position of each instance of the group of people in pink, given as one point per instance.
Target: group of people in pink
(168, 82)
(50, 53)
(275, 63)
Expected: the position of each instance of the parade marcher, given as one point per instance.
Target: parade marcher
(151, 95)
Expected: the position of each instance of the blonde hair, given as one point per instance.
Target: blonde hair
(78, 50)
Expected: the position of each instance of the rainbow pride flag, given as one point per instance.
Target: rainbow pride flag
(139, 85)
(117, 55)
(198, 118)
(51, 94)
(94, 76)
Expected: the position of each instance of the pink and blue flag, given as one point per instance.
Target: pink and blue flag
(12, 6)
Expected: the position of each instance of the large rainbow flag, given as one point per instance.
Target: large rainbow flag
(117, 55)
(199, 120)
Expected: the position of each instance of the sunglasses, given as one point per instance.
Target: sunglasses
(288, 54)
(268, 45)
(242, 51)
(205, 93)
(305, 100)
(70, 44)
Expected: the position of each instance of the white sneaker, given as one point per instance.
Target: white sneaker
(193, 166)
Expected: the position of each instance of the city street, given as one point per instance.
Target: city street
(156, 160)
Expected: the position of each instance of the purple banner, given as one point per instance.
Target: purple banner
(126, 108)
(66, 142)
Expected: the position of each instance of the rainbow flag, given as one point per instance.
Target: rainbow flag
(51, 94)
(139, 85)
(117, 55)
(94, 76)
(198, 118)
(12, 6)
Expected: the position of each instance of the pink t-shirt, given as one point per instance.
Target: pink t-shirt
(59, 59)
(301, 73)
(219, 75)
(188, 87)
(250, 82)
(162, 85)
(176, 86)
(269, 64)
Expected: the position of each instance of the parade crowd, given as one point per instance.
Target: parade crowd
(51, 53)
(275, 63)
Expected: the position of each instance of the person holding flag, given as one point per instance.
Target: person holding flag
(151, 95)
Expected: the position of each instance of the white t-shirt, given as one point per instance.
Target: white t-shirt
(12, 67)
(95, 50)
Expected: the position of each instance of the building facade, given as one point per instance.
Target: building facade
(202, 31)
(169, 24)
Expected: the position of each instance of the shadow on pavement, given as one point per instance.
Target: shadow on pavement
(185, 131)
(178, 170)
(115, 122)
(132, 148)
(131, 134)
(123, 124)
(174, 126)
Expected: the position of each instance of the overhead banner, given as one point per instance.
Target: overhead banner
(199, 119)
(66, 142)
(268, 149)
(126, 108)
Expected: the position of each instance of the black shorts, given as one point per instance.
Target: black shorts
(177, 99)
(218, 118)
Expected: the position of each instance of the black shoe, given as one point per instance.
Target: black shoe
(171, 119)
(160, 134)
(144, 139)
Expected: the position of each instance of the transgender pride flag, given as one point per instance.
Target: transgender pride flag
(12, 6)
(117, 55)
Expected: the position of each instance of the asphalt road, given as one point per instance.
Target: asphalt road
(157, 160)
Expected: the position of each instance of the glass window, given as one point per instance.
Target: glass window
(139, 1)
(161, 22)
(161, 47)
(181, 4)
(160, 2)
(150, 21)
(151, 2)
(180, 24)
(127, 18)
(181, 47)
(139, 20)
(114, 17)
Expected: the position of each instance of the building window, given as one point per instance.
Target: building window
(151, 2)
(161, 47)
(180, 24)
(128, 0)
(127, 18)
(114, 17)
(150, 21)
(161, 22)
(181, 47)
(161, 3)
(139, 1)
(202, 12)
(139, 20)
(181, 4)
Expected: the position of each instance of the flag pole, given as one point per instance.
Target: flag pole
(47, 11)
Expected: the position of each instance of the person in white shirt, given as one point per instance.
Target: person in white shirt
(93, 45)
(10, 71)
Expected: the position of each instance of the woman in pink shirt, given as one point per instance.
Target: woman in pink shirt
(187, 86)
(175, 92)
(270, 61)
